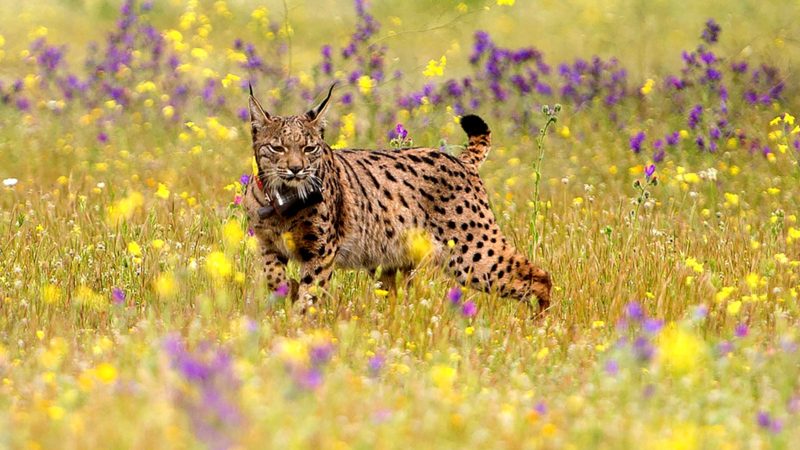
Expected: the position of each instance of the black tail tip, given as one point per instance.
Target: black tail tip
(474, 125)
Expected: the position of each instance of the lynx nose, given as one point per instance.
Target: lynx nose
(295, 169)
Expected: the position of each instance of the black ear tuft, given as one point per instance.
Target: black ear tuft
(474, 125)
(315, 114)
(258, 117)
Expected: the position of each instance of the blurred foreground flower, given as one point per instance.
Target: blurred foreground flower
(419, 245)
(124, 208)
(680, 351)
(443, 376)
(208, 391)
(305, 358)
(218, 266)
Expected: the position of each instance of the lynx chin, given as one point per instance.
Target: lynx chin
(368, 204)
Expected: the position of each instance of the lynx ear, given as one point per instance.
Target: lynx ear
(316, 115)
(258, 117)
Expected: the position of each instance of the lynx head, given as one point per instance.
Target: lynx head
(290, 150)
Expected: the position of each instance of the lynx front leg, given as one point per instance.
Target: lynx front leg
(315, 272)
(275, 274)
(314, 276)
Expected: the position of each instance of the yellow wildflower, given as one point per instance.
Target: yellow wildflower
(124, 208)
(792, 234)
(506, 2)
(288, 241)
(680, 351)
(365, 84)
(435, 69)
(731, 200)
(134, 248)
(162, 192)
(648, 86)
(55, 412)
(419, 245)
(695, 265)
(733, 308)
(230, 79)
(542, 354)
(443, 376)
(232, 233)
(753, 281)
(106, 373)
(86, 296)
(165, 285)
(51, 294)
(218, 265)
(724, 293)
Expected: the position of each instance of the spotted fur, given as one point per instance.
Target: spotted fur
(372, 200)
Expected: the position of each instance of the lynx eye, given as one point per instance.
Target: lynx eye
(275, 149)
(311, 149)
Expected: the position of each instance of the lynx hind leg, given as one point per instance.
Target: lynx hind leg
(388, 278)
(502, 269)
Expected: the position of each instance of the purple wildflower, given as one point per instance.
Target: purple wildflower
(401, 132)
(711, 32)
(454, 295)
(282, 290)
(742, 330)
(643, 349)
(636, 142)
(713, 74)
(612, 367)
(376, 364)
(245, 179)
(653, 326)
(320, 354)
(695, 115)
(468, 309)
(659, 155)
(739, 67)
(209, 397)
(763, 419)
(673, 138)
(649, 171)
(102, 137)
(634, 311)
(701, 143)
(118, 296)
(724, 347)
(309, 379)
(701, 312)
(23, 104)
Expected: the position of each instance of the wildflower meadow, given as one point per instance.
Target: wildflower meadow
(644, 153)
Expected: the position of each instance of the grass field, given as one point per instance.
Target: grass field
(662, 197)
